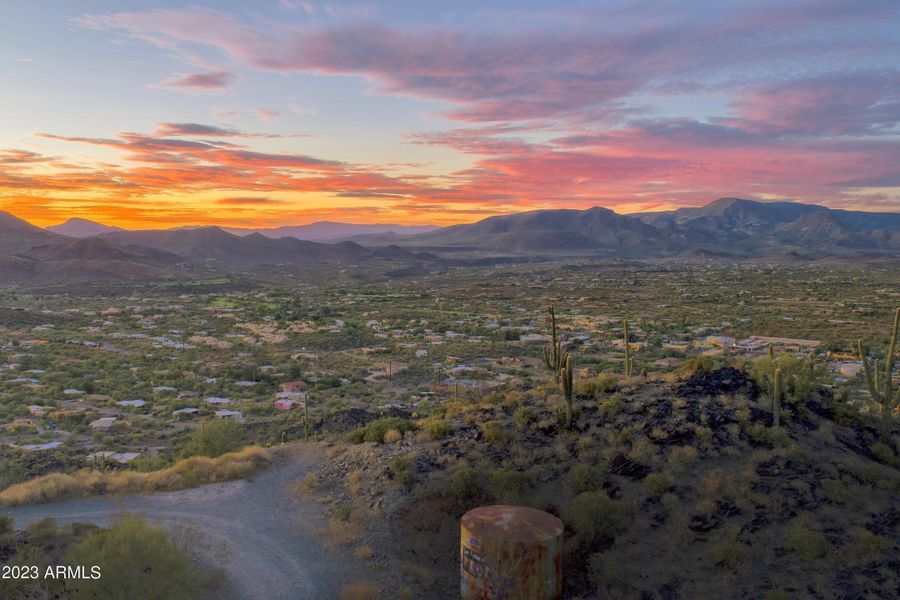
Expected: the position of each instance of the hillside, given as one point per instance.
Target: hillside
(729, 227)
(323, 231)
(668, 490)
(216, 246)
(17, 235)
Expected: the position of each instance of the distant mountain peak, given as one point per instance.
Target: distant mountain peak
(78, 227)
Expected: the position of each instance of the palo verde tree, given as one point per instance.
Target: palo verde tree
(880, 383)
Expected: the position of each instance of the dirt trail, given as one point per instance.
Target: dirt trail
(270, 548)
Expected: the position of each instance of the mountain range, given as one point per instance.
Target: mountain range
(726, 229)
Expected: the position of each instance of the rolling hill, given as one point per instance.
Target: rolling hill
(728, 227)
(324, 231)
(77, 227)
(17, 235)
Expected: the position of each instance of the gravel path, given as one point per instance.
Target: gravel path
(270, 548)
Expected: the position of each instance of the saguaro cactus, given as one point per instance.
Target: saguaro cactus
(553, 354)
(776, 399)
(306, 418)
(629, 359)
(880, 384)
(567, 380)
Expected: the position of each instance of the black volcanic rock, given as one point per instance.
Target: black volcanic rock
(726, 380)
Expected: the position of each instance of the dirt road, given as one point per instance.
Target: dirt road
(270, 548)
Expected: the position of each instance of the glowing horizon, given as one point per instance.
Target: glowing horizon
(292, 112)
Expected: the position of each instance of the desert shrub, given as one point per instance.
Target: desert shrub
(835, 491)
(436, 428)
(392, 436)
(215, 437)
(606, 572)
(376, 430)
(727, 554)
(342, 512)
(883, 453)
(354, 481)
(694, 365)
(495, 432)
(583, 478)
(360, 590)
(681, 456)
(867, 545)
(768, 436)
(465, 483)
(595, 388)
(525, 416)
(657, 483)
(132, 557)
(510, 486)
(404, 472)
(807, 543)
(611, 407)
(7, 535)
(185, 473)
(594, 515)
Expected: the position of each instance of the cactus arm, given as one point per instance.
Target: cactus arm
(889, 399)
(776, 399)
(867, 372)
(567, 379)
(629, 364)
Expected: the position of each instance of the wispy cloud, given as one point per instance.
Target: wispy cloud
(212, 81)
(267, 114)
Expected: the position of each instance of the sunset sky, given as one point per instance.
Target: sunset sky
(271, 112)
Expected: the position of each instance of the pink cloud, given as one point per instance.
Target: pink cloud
(209, 81)
(267, 114)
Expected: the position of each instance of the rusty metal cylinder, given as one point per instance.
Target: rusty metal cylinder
(510, 553)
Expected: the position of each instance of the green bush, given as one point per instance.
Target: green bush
(611, 407)
(215, 437)
(135, 561)
(729, 555)
(605, 383)
(694, 365)
(495, 432)
(436, 428)
(404, 472)
(883, 453)
(583, 478)
(807, 543)
(657, 483)
(525, 416)
(835, 491)
(606, 572)
(594, 515)
(375, 431)
(465, 484)
(510, 487)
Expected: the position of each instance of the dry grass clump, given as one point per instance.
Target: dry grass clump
(360, 590)
(185, 473)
